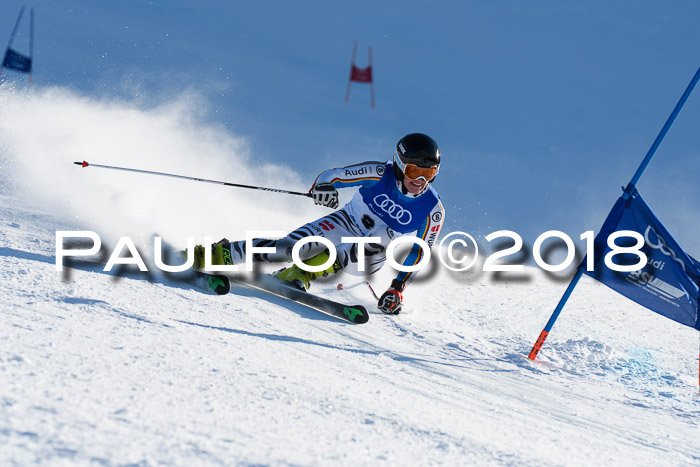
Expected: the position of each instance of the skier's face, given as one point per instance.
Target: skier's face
(414, 187)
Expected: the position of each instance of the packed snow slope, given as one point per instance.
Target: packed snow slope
(143, 369)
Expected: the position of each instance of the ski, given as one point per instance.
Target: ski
(353, 313)
(217, 283)
(221, 285)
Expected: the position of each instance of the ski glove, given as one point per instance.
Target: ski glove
(390, 302)
(325, 194)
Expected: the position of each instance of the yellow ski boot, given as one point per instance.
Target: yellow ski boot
(300, 279)
(220, 254)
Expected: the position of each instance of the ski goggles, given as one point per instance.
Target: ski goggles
(414, 172)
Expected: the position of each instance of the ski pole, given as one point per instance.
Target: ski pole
(184, 177)
(346, 287)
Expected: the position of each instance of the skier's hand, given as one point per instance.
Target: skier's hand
(325, 194)
(390, 302)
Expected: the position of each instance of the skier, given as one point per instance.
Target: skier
(395, 198)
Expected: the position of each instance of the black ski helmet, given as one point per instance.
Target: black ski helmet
(417, 149)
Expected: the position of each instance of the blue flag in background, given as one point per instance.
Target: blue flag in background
(669, 283)
(17, 61)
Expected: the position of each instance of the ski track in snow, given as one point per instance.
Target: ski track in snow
(107, 371)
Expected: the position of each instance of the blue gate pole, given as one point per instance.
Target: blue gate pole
(662, 134)
(14, 31)
(31, 33)
(628, 192)
(31, 43)
(560, 306)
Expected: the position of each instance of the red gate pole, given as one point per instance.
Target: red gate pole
(352, 66)
(371, 81)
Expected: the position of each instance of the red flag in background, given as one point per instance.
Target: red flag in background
(360, 75)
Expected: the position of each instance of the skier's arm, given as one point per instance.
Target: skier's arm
(325, 188)
(390, 301)
(352, 175)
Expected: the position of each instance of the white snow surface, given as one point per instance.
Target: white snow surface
(101, 370)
